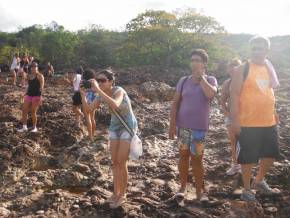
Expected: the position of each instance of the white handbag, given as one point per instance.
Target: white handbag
(136, 149)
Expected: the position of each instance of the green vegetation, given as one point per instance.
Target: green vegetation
(155, 38)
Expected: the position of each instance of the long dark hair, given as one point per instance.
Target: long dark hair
(89, 74)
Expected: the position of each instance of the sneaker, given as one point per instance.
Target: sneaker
(235, 168)
(24, 129)
(263, 187)
(34, 129)
(248, 195)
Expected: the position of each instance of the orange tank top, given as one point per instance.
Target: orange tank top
(257, 100)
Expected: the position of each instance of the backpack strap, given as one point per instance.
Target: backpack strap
(122, 120)
(246, 70)
(182, 84)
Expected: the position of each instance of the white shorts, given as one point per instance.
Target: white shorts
(120, 135)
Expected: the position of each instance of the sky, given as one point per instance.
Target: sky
(263, 17)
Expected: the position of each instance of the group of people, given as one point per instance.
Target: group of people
(247, 101)
(21, 67)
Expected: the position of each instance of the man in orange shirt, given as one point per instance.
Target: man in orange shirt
(254, 121)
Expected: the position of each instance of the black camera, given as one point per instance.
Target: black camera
(86, 84)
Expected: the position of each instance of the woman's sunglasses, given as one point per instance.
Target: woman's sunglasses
(102, 80)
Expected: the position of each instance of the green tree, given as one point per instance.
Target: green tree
(162, 38)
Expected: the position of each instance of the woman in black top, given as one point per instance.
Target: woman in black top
(32, 99)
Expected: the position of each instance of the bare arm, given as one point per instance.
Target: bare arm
(173, 112)
(114, 102)
(67, 81)
(41, 81)
(224, 98)
(208, 89)
(235, 90)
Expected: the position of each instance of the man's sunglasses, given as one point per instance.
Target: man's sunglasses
(256, 48)
(196, 60)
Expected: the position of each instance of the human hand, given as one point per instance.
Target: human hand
(94, 85)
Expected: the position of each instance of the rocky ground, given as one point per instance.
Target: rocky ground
(57, 173)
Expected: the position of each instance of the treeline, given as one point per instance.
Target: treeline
(152, 38)
(155, 38)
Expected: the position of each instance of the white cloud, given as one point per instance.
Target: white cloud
(6, 20)
(248, 16)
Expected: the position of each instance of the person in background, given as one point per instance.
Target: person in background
(32, 99)
(76, 98)
(15, 65)
(30, 59)
(253, 117)
(22, 72)
(225, 103)
(87, 99)
(49, 71)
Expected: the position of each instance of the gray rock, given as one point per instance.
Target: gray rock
(4, 212)
(157, 91)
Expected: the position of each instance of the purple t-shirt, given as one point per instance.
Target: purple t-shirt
(193, 112)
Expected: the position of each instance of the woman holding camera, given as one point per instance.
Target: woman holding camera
(119, 138)
(32, 99)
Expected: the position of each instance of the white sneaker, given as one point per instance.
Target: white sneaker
(24, 129)
(34, 130)
(235, 168)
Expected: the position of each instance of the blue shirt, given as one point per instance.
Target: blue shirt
(125, 110)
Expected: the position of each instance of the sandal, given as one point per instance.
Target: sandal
(111, 199)
(118, 203)
(180, 195)
(202, 197)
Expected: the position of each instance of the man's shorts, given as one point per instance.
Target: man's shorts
(32, 99)
(77, 99)
(255, 143)
(122, 134)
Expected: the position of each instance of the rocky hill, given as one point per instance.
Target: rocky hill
(57, 173)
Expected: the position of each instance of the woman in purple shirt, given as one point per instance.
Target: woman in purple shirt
(189, 120)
